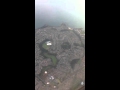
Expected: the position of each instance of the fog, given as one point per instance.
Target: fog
(55, 12)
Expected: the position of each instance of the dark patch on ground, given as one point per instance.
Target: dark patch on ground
(66, 45)
(73, 62)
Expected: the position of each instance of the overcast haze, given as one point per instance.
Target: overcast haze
(54, 12)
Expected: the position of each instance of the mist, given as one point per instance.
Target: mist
(55, 12)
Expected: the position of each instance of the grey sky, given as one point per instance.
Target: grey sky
(54, 12)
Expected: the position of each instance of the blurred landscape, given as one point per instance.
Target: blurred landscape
(59, 44)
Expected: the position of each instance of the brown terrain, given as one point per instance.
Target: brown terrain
(60, 65)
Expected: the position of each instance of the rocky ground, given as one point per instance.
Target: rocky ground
(60, 66)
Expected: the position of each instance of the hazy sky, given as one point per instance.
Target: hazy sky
(56, 11)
